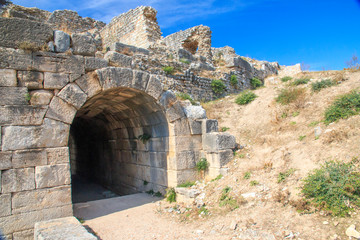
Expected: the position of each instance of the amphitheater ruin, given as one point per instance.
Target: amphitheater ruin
(81, 99)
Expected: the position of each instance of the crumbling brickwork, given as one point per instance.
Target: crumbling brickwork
(137, 27)
(196, 40)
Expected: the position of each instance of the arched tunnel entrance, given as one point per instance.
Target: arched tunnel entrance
(118, 144)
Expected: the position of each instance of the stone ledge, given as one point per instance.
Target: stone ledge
(61, 228)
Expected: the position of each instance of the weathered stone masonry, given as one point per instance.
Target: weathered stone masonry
(48, 98)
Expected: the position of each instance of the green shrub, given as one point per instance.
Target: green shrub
(217, 178)
(289, 95)
(168, 70)
(302, 137)
(245, 97)
(170, 195)
(343, 107)
(318, 85)
(254, 183)
(184, 60)
(233, 80)
(224, 129)
(300, 81)
(226, 200)
(202, 165)
(286, 78)
(187, 184)
(203, 210)
(218, 86)
(185, 96)
(284, 175)
(255, 83)
(247, 175)
(334, 187)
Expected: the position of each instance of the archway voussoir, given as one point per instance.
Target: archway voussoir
(140, 80)
(61, 110)
(154, 87)
(73, 95)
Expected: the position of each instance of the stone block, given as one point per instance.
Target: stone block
(14, 31)
(118, 60)
(120, 47)
(25, 221)
(168, 99)
(52, 175)
(5, 160)
(28, 201)
(74, 76)
(215, 141)
(188, 143)
(51, 134)
(111, 77)
(5, 205)
(140, 80)
(73, 95)
(181, 127)
(209, 126)
(8, 78)
(158, 176)
(62, 41)
(16, 180)
(57, 155)
(158, 159)
(30, 79)
(155, 87)
(195, 112)
(89, 84)
(184, 160)
(177, 177)
(22, 115)
(61, 110)
(55, 80)
(24, 235)
(93, 63)
(13, 96)
(58, 62)
(195, 127)
(40, 97)
(62, 228)
(175, 112)
(219, 159)
(15, 59)
(29, 158)
(83, 44)
(238, 62)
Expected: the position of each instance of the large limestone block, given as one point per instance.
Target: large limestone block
(5, 160)
(14, 31)
(39, 199)
(52, 175)
(118, 60)
(5, 205)
(25, 221)
(209, 126)
(184, 160)
(62, 41)
(168, 99)
(31, 79)
(61, 110)
(122, 48)
(89, 84)
(62, 228)
(24, 235)
(41, 97)
(219, 159)
(15, 59)
(57, 155)
(8, 78)
(181, 127)
(218, 141)
(184, 143)
(93, 63)
(175, 112)
(16, 180)
(51, 134)
(73, 95)
(195, 112)
(140, 80)
(55, 80)
(238, 62)
(155, 87)
(22, 115)
(112, 77)
(195, 127)
(58, 63)
(29, 158)
(13, 95)
(83, 44)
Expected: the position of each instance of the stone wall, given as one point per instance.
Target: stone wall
(137, 27)
(196, 40)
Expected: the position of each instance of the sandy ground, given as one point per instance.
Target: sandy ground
(274, 139)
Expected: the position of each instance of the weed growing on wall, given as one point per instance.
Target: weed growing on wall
(233, 80)
(218, 86)
(255, 83)
(185, 96)
(168, 70)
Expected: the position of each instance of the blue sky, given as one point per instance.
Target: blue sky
(323, 34)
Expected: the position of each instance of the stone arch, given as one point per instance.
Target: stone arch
(108, 111)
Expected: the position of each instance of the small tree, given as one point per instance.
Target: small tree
(353, 63)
